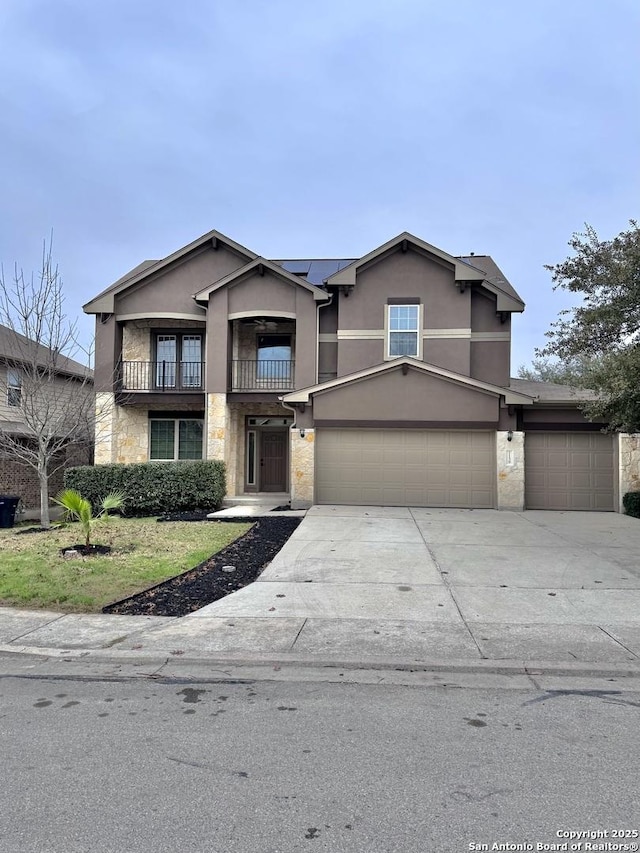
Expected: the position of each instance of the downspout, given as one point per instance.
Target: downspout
(323, 305)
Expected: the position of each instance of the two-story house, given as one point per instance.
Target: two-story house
(383, 379)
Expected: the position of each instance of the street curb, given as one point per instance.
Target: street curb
(158, 659)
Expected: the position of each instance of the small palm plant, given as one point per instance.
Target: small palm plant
(80, 509)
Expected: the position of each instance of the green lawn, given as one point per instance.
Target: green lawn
(33, 572)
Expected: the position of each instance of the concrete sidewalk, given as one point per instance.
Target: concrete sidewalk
(367, 585)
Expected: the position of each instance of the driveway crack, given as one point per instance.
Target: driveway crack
(447, 586)
(297, 635)
(616, 640)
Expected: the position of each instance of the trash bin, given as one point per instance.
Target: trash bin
(8, 506)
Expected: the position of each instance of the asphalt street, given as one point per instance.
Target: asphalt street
(146, 765)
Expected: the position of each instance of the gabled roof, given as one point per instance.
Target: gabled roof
(464, 270)
(495, 277)
(104, 302)
(261, 264)
(510, 395)
(16, 348)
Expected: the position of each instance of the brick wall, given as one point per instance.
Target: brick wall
(21, 480)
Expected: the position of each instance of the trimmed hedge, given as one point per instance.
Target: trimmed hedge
(631, 504)
(153, 488)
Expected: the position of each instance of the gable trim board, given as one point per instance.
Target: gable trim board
(161, 315)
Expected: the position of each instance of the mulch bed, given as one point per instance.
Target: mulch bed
(87, 550)
(250, 555)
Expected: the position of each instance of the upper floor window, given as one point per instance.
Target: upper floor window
(274, 357)
(14, 387)
(403, 331)
(178, 361)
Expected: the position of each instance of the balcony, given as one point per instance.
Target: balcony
(159, 376)
(262, 375)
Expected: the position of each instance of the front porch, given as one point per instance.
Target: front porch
(260, 448)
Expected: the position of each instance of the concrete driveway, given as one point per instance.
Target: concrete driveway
(429, 583)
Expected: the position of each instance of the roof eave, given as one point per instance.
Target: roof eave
(104, 303)
(202, 296)
(510, 397)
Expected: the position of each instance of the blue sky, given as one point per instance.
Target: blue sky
(305, 129)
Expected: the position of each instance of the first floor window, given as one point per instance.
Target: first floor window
(173, 439)
(14, 387)
(404, 330)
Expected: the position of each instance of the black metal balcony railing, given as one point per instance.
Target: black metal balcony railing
(262, 375)
(161, 376)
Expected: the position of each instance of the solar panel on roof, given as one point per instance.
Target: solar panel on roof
(297, 267)
(321, 270)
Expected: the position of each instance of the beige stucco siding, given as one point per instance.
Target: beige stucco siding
(255, 293)
(491, 361)
(484, 317)
(392, 396)
(451, 354)
(411, 274)
(172, 290)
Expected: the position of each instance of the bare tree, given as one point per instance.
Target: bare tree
(47, 403)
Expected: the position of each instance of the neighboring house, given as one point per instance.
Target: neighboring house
(24, 402)
(378, 380)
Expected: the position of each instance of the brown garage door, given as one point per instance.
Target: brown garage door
(397, 467)
(568, 470)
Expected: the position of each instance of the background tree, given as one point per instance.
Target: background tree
(575, 371)
(604, 329)
(48, 396)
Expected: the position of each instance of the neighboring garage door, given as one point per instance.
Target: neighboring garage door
(397, 467)
(568, 470)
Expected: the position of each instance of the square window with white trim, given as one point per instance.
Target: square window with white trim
(403, 331)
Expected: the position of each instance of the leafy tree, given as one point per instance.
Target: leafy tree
(47, 398)
(575, 372)
(604, 329)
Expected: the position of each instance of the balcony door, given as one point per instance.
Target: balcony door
(178, 361)
(166, 358)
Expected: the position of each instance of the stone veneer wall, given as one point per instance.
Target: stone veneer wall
(628, 465)
(510, 470)
(226, 434)
(302, 467)
(104, 427)
(136, 342)
(121, 432)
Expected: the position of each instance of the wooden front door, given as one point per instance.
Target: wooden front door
(273, 460)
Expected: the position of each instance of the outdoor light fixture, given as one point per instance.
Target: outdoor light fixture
(510, 435)
(302, 433)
